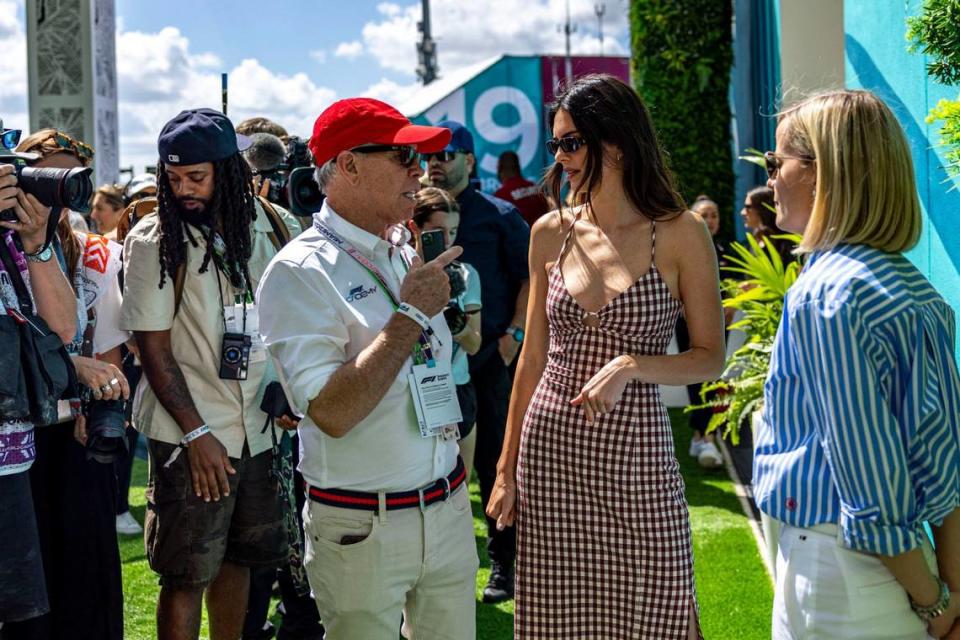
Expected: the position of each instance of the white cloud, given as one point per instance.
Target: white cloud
(319, 56)
(13, 67)
(158, 75)
(349, 50)
(391, 92)
(467, 32)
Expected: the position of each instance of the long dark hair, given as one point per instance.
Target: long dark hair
(605, 109)
(762, 200)
(232, 203)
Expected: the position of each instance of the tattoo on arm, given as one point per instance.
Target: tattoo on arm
(167, 381)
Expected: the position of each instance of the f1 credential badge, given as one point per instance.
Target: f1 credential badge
(434, 398)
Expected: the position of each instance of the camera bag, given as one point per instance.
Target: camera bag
(47, 371)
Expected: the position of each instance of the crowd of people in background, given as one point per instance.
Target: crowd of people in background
(314, 394)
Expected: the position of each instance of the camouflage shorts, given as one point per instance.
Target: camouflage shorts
(188, 539)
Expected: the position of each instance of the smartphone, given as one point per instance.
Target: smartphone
(432, 244)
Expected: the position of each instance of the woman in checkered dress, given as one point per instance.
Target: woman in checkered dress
(588, 466)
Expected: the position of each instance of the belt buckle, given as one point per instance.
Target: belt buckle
(446, 487)
(423, 503)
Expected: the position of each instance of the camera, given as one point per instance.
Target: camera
(291, 182)
(234, 356)
(65, 188)
(106, 430)
(454, 314)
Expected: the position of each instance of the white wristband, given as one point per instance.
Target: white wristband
(193, 435)
(416, 315)
(184, 441)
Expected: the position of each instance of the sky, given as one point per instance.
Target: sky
(289, 59)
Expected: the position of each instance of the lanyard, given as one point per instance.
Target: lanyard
(423, 351)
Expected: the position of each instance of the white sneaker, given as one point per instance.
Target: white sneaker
(696, 446)
(127, 525)
(710, 457)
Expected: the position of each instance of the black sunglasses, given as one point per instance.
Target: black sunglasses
(568, 143)
(442, 156)
(774, 161)
(406, 154)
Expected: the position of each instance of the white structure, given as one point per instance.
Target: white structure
(71, 62)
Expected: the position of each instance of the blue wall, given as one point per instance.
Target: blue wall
(877, 59)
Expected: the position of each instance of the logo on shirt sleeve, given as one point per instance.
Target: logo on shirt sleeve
(359, 293)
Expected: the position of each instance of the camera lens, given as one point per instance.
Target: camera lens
(68, 188)
(231, 355)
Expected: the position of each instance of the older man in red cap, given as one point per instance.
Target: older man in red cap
(356, 327)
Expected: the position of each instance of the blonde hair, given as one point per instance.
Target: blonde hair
(865, 191)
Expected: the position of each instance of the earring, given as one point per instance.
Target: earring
(619, 157)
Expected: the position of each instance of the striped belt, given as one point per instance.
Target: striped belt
(437, 491)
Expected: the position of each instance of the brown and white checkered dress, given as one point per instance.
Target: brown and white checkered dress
(604, 547)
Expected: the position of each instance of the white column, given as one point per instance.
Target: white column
(72, 71)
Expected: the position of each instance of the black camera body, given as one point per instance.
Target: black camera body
(291, 182)
(454, 314)
(234, 356)
(65, 188)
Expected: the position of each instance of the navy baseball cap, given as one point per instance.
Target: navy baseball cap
(199, 135)
(462, 139)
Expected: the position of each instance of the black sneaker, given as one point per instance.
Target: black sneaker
(500, 585)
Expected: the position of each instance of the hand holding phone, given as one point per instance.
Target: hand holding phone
(432, 244)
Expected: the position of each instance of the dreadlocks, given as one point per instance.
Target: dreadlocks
(232, 203)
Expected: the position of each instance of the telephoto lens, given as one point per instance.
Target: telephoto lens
(65, 188)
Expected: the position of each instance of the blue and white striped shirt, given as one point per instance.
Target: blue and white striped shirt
(861, 421)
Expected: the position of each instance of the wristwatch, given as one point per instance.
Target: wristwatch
(936, 609)
(515, 332)
(43, 254)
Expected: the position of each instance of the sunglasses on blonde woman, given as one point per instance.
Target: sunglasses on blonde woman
(773, 161)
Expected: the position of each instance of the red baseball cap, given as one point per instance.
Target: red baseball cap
(353, 122)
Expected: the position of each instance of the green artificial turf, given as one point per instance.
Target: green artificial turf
(734, 591)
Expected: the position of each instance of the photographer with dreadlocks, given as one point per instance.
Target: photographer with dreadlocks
(191, 268)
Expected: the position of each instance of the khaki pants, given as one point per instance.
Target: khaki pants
(421, 563)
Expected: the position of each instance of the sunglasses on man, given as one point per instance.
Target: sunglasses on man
(774, 161)
(569, 144)
(406, 155)
(441, 156)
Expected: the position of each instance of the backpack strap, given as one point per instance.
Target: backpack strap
(280, 235)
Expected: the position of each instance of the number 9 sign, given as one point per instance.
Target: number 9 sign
(522, 136)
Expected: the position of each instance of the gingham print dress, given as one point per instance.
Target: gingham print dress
(604, 548)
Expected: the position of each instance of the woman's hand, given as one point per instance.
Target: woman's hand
(502, 505)
(105, 380)
(945, 625)
(31, 223)
(604, 390)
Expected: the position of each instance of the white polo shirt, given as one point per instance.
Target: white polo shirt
(319, 308)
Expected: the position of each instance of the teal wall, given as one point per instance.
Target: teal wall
(877, 59)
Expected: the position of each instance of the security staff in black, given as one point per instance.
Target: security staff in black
(495, 240)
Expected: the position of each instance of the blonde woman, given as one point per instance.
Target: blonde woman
(861, 437)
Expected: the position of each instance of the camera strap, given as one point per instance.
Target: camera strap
(423, 350)
(15, 264)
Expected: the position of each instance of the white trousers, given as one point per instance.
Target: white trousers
(366, 569)
(825, 591)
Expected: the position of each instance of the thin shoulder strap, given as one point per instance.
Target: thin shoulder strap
(566, 239)
(653, 242)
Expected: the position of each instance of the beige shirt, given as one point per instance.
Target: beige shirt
(231, 408)
(339, 311)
